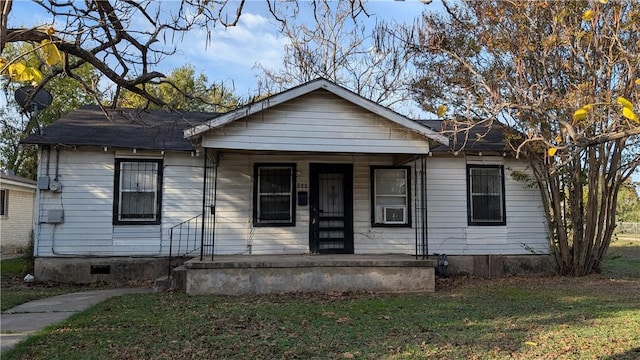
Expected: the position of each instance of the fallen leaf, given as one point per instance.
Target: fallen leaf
(587, 15)
(348, 355)
(530, 343)
(552, 151)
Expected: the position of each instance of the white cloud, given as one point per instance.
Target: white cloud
(232, 52)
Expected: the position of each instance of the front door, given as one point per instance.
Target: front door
(331, 207)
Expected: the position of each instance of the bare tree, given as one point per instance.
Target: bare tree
(337, 46)
(123, 40)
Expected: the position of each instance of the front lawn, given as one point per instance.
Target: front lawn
(14, 291)
(623, 258)
(520, 318)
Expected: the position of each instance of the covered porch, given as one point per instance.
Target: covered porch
(260, 274)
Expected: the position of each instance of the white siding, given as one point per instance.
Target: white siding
(525, 228)
(235, 233)
(318, 122)
(87, 177)
(87, 197)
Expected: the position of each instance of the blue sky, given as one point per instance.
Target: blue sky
(233, 52)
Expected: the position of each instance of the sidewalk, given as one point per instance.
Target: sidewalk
(23, 320)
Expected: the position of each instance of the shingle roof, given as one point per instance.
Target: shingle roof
(124, 128)
(478, 138)
(6, 177)
(164, 130)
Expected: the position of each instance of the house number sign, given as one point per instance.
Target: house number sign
(303, 186)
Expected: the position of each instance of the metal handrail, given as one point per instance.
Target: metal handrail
(192, 242)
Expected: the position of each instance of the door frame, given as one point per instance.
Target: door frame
(315, 169)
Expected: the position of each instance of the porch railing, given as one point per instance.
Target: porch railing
(185, 239)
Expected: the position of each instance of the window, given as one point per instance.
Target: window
(485, 195)
(274, 195)
(3, 202)
(138, 185)
(390, 194)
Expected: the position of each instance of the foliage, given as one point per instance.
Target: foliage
(628, 203)
(122, 40)
(183, 90)
(563, 74)
(68, 94)
(518, 318)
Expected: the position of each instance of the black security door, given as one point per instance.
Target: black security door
(331, 207)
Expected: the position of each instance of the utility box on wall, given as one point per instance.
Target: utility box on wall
(55, 216)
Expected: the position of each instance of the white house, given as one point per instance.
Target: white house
(17, 203)
(316, 169)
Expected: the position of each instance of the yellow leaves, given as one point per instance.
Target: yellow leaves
(530, 343)
(604, 1)
(559, 139)
(627, 109)
(580, 114)
(442, 109)
(50, 30)
(637, 81)
(624, 102)
(552, 151)
(587, 15)
(629, 114)
(51, 53)
(19, 71)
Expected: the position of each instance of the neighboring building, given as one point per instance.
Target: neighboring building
(315, 169)
(17, 204)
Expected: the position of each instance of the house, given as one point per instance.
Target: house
(17, 204)
(316, 169)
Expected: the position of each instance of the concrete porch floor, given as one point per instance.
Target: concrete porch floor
(258, 274)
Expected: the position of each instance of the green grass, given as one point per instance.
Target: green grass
(623, 259)
(14, 291)
(520, 318)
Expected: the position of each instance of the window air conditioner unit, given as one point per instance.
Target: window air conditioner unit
(394, 214)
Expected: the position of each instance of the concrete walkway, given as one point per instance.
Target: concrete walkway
(23, 320)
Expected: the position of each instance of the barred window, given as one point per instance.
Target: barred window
(3, 202)
(485, 195)
(274, 195)
(138, 185)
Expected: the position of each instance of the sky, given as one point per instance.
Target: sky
(233, 53)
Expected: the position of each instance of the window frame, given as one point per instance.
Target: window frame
(470, 219)
(407, 212)
(4, 203)
(117, 193)
(257, 222)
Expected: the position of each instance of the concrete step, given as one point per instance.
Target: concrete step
(176, 282)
